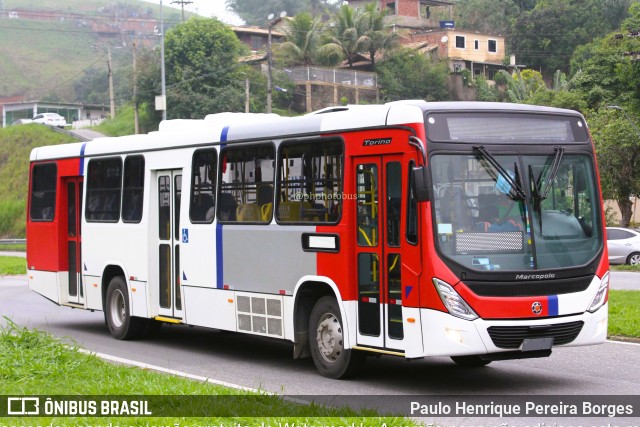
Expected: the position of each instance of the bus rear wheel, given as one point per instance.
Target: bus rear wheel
(122, 325)
(470, 361)
(326, 342)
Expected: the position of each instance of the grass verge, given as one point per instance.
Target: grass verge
(35, 363)
(12, 265)
(625, 267)
(624, 314)
(18, 247)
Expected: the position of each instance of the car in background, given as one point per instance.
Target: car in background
(50, 119)
(623, 245)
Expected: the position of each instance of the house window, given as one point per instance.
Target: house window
(476, 44)
(492, 46)
(391, 6)
(460, 42)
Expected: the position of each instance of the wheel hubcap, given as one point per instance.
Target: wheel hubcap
(635, 260)
(329, 337)
(118, 311)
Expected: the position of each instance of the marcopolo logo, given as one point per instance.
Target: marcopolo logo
(535, 276)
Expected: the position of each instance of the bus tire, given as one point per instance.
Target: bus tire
(326, 342)
(470, 361)
(122, 325)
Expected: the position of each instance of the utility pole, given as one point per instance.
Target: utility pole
(246, 95)
(162, 74)
(136, 117)
(182, 3)
(272, 22)
(112, 101)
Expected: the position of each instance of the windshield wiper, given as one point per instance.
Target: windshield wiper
(552, 176)
(480, 151)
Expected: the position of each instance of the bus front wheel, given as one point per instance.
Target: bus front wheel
(326, 342)
(122, 325)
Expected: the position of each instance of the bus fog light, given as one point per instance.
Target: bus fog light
(601, 295)
(454, 335)
(454, 302)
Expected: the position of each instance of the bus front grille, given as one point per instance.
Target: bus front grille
(512, 336)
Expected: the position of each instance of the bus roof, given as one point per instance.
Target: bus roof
(229, 127)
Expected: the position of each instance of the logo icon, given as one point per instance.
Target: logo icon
(536, 308)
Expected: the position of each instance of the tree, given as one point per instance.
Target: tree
(545, 37)
(522, 85)
(376, 36)
(302, 35)
(345, 35)
(406, 74)
(203, 73)
(607, 75)
(486, 15)
(618, 151)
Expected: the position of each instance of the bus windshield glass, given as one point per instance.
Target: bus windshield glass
(516, 212)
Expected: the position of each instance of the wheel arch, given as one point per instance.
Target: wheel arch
(111, 271)
(307, 292)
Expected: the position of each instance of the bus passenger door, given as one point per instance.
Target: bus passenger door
(379, 192)
(73, 188)
(169, 188)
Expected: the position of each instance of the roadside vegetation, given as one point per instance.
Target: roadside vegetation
(12, 265)
(624, 314)
(18, 247)
(32, 361)
(16, 143)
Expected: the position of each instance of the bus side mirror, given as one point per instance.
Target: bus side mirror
(419, 176)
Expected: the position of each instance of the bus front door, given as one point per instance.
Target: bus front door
(169, 188)
(73, 188)
(378, 183)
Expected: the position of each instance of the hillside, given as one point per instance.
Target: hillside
(47, 45)
(16, 143)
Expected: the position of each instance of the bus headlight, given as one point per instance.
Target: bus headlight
(601, 295)
(454, 302)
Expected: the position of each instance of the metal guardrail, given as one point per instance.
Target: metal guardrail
(12, 241)
(71, 133)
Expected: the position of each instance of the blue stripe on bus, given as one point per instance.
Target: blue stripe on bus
(219, 255)
(553, 305)
(81, 172)
(219, 258)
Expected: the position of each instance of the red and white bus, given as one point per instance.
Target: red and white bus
(469, 230)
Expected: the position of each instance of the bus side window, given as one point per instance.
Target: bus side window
(43, 192)
(203, 185)
(412, 210)
(310, 184)
(104, 190)
(246, 182)
(133, 189)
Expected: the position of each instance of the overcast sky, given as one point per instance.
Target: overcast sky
(206, 8)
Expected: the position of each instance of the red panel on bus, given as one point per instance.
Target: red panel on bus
(46, 240)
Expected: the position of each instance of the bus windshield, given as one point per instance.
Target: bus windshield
(516, 212)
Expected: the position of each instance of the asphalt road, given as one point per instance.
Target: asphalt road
(611, 368)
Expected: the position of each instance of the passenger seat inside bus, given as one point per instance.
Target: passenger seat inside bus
(227, 207)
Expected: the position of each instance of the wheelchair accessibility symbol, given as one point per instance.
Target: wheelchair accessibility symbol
(185, 235)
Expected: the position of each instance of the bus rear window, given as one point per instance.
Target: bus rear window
(43, 192)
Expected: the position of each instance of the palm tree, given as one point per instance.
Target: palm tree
(345, 35)
(376, 36)
(302, 35)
